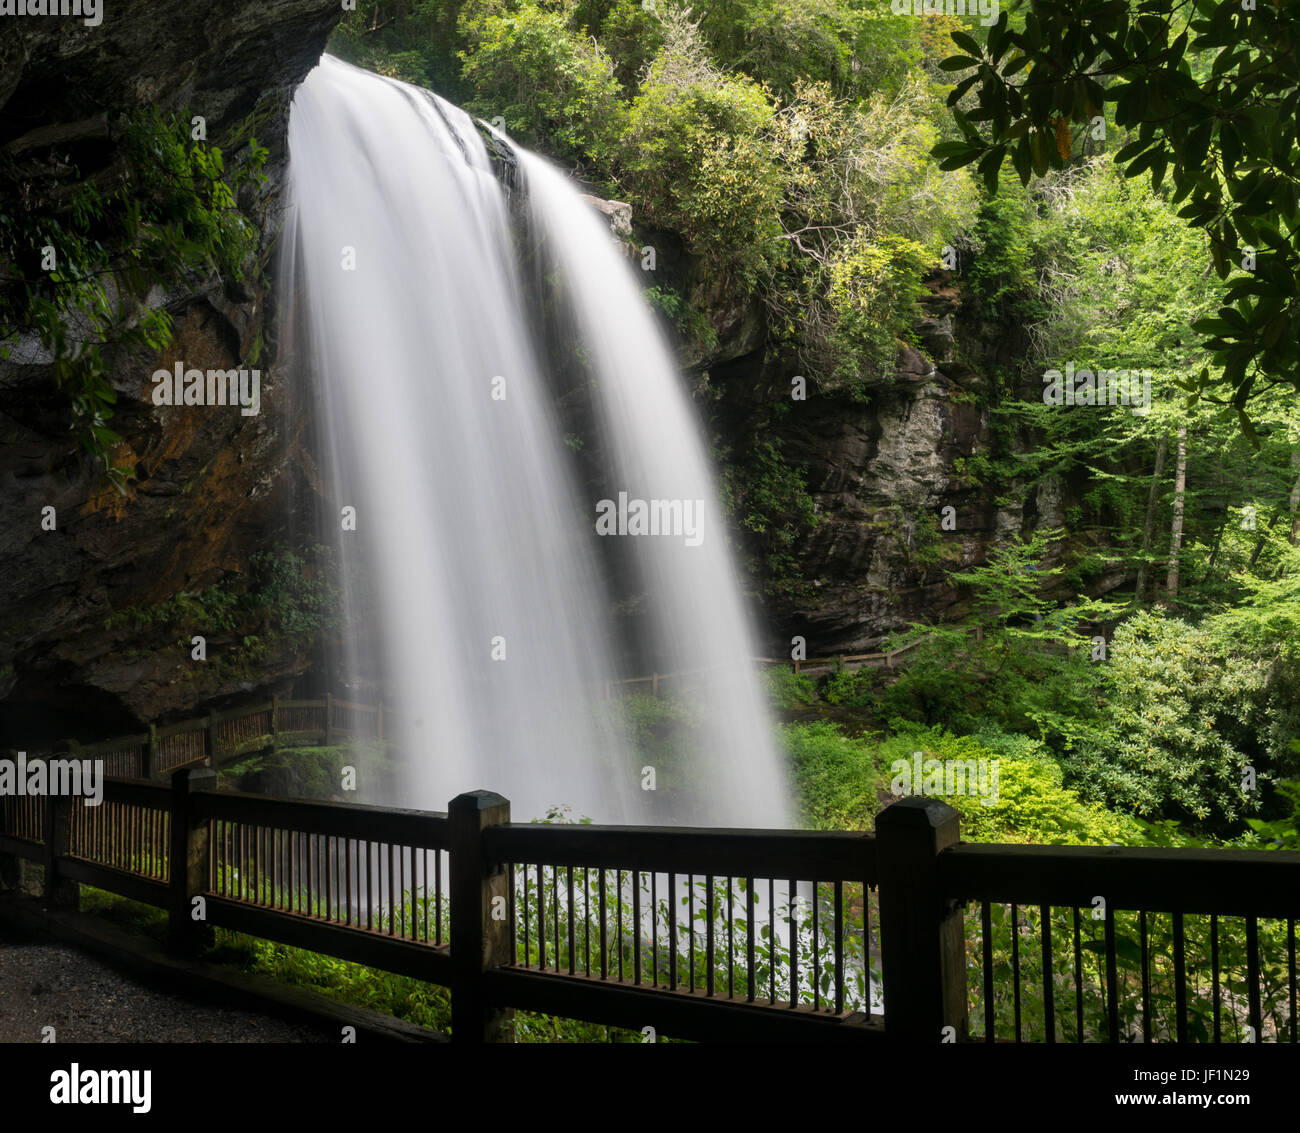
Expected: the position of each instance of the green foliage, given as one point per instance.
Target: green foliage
(1000, 271)
(172, 216)
(133, 916)
(1027, 802)
(286, 599)
(853, 688)
(1281, 833)
(789, 690)
(769, 500)
(1203, 91)
(695, 148)
(855, 48)
(1018, 661)
(867, 213)
(554, 88)
(874, 290)
(835, 776)
(412, 40)
(1188, 710)
(317, 772)
(691, 323)
(630, 30)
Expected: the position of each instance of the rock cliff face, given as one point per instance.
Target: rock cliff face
(208, 483)
(881, 470)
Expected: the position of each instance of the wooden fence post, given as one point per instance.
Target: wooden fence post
(275, 723)
(923, 946)
(189, 861)
(480, 932)
(329, 719)
(59, 892)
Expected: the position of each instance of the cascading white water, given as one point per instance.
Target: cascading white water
(440, 430)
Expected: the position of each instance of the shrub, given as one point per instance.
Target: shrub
(835, 776)
(697, 156)
(1032, 804)
(554, 88)
(1187, 711)
(788, 690)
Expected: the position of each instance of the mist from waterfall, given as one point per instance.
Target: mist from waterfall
(476, 537)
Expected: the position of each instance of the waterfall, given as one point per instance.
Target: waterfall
(414, 322)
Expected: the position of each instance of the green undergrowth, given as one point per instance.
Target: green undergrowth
(403, 997)
(319, 772)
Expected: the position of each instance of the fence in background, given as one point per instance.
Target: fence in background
(223, 737)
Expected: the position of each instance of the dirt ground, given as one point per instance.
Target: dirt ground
(85, 1000)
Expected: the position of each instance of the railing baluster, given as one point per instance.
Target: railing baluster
(541, 917)
(708, 935)
(1291, 971)
(672, 931)
(1214, 975)
(1049, 1014)
(511, 900)
(1015, 966)
(1078, 978)
(1145, 958)
(1112, 980)
(690, 924)
(604, 930)
(986, 931)
(792, 903)
(866, 940)
(731, 943)
(771, 940)
(751, 989)
(1252, 979)
(654, 929)
(636, 927)
(569, 884)
(392, 894)
(839, 948)
(816, 965)
(527, 939)
(1180, 978)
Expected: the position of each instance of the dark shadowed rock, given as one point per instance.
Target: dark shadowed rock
(208, 483)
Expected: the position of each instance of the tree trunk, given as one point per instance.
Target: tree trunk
(1295, 501)
(1262, 541)
(1214, 551)
(1176, 535)
(1149, 525)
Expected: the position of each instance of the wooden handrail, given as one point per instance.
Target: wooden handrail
(354, 882)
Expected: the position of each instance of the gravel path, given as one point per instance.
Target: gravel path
(86, 1000)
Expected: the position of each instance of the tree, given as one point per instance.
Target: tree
(1209, 92)
(1180, 494)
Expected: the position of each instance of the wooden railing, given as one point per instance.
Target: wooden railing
(741, 935)
(847, 661)
(223, 737)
